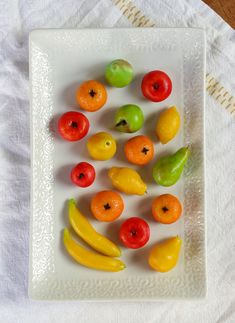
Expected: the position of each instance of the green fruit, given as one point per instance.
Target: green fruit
(168, 170)
(129, 118)
(119, 73)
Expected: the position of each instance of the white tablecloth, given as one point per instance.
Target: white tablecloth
(17, 19)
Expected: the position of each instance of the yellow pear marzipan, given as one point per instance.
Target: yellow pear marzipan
(165, 255)
(127, 180)
(168, 125)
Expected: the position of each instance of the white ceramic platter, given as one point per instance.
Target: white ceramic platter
(59, 61)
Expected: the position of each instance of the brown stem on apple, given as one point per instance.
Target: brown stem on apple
(74, 124)
(81, 175)
(133, 232)
(155, 86)
(121, 123)
(165, 209)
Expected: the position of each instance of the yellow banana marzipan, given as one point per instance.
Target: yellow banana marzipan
(88, 258)
(86, 231)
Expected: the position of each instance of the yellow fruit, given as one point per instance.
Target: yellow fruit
(86, 231)
(101, 146)
(164, 255)
(88, 258)
(127, 180)
(168, 125)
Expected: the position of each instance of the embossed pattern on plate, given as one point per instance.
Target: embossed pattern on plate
(59, 61)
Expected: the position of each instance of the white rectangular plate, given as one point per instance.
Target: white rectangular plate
(59, 61)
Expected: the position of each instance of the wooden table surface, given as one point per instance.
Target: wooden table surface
(224, 8)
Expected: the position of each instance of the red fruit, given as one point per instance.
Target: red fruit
(83, 174)
(134, 233)
(156, 86)
(73, 126)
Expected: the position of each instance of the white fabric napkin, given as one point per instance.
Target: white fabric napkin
(17, 19)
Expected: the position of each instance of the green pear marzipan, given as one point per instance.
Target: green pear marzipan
(168, 169)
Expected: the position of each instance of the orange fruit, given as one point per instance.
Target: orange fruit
(91, 95)
(107, 206)
(166, 208)
(139, 150)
